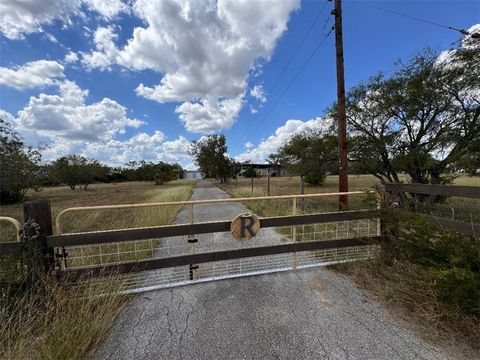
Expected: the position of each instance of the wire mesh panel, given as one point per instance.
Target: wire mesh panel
(113, 253)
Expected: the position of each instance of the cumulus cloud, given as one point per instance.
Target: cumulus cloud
(71, 57)
(209, 114)
(258, 93)
(284, 133)
(33, 74)
(19, 18)
(67, 124)
(67, 116)
(203, 50)
(108, 9)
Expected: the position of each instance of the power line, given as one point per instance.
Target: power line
(298, 48)
(292, 57)
(292, 81)
(461, 31)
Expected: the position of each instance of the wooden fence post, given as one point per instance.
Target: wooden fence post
(268, 184)
(39, 211)
(302, 191)
(252, 185)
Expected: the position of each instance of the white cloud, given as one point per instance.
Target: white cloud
(68, 125)
(284, 133)
(33, 74)
(104, 41)
(209, 114)
(248, 145)
(71, 57)
(19, 18)
(118, 153)
(258, 93)
(108, 8)
(67, 116)
(204, 50)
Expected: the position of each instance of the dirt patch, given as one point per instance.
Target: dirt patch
(319, 285)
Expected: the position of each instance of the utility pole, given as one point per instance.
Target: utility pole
(342, 124)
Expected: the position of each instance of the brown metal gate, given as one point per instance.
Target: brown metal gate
(164, 256)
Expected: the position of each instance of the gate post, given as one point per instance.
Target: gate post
(39, 212)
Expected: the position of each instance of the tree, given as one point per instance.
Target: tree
(420, 120)
(210, 156)
(19, 166)
(250, 172)
(167, 172)
(310, 154)
(76, 170)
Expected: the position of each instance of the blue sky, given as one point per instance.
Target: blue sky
(141, 79)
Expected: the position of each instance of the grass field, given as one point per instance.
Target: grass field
(461, 208)
(30, 325)
(105, 194)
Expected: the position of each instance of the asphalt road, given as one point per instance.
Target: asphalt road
(303, 314)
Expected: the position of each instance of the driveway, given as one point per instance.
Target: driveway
(303, 314)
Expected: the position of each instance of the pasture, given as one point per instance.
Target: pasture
(105, 194)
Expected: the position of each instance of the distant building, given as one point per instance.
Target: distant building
(264, 169)
(193, 175)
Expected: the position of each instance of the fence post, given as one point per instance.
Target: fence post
(268, 185)
(302, 191)
(39, 211)
(294, 233)
(252, 185)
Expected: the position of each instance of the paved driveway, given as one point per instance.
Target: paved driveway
(304, 314)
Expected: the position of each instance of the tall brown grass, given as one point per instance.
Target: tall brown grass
(47, 320)
(50, 321)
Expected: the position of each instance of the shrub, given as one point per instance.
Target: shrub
(452, 259)
(250, 172)
(315, 178)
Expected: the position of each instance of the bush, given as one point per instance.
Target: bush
(250, 172)
(452, 259)
(315, 179)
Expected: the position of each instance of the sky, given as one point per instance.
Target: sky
(123, 80)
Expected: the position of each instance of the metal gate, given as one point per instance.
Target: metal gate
(192, 252)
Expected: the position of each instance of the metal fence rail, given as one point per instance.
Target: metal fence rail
(192, 203)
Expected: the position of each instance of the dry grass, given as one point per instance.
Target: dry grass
(108, 194)
(410, 294)
(291, 185)
(62, 323)
(51, 322)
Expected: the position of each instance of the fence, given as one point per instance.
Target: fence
(450, 206)
(196, 251)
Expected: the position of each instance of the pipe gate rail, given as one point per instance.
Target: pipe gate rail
(53, 246)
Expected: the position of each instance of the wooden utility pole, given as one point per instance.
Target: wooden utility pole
(342, 124)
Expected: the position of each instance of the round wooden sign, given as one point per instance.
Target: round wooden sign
(245, 226)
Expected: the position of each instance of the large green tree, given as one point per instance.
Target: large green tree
(76, 170)
(420, 120)
(310, 154)
(19, 165)
(210, 155)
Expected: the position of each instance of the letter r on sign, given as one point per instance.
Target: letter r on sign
(244, 226)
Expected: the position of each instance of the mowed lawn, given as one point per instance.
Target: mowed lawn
(105, 194)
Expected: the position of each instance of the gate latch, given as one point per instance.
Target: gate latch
(61, 258)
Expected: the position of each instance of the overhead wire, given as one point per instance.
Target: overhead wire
(462, 31)
(295, 53)
(292, 81)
